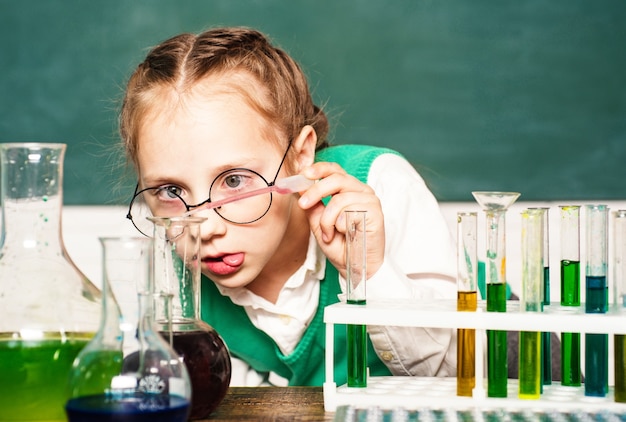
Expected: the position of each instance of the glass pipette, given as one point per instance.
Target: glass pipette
(291, 184)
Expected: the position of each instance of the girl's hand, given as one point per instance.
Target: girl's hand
(328, 222)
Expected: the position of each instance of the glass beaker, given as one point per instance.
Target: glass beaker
(177, 271)
(128, 371)
(467, 300)
(495, 205)
(50, 310)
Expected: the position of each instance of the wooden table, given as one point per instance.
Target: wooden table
(272, 404)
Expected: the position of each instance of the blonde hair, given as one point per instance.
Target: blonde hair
(184, 60)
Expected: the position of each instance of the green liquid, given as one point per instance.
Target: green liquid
(546, 346)
(35, 375)
(620, 367)
(570, 283)
(357, 351)
(570, 359)
(529, 365)
(497, 356)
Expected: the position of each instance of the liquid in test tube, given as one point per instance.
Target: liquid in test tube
(596, 345)
(356, 265)
(467, 299)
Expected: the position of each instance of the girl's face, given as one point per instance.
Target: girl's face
(186, 141)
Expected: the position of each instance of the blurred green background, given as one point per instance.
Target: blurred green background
(479, 95)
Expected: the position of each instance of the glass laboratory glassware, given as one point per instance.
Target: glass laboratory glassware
(356, 266)
(49, 309)
(177, 271)
(619, 284)
(467, 300)
(495, 205)
(531, 301)
(596, 302)
(571, 374)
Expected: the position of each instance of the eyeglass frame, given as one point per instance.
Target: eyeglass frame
(208, 200)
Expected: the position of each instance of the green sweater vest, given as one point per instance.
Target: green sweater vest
(305, 365)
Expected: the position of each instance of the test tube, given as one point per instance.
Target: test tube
(619, 271)
(596, 345)
(467, 299)
(495, 205)
(570, 291)
(356, 265)
(531, 301)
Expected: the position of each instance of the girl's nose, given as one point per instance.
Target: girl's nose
(214, 225)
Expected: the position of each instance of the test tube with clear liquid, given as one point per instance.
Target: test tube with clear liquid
(619, 285)
(467, 299)
(596, 302)
(531, 301)
(570, 291)
(356, 266)
(495, 205)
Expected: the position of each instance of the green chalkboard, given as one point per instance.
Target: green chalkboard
(478, 94)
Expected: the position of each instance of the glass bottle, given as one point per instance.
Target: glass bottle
(49, 309)
(128, 371)
(177, 271)
(619, 284)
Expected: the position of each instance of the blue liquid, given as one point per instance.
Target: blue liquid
(596, 365)
(597, 295)
(133, 408)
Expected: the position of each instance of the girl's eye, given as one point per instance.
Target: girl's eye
(170, 192)
(233, 181)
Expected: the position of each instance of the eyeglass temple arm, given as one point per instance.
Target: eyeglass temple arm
(291, 184)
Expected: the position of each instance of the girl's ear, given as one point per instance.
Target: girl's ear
(304, 146)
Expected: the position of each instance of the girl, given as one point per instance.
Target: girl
(225, 110)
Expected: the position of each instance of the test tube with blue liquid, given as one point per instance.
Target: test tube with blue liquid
(596, 302)
(356, 266)
(467, 299)
(570, 291)
(619, 283)
(531, 301)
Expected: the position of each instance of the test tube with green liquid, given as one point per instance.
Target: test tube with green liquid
(356, 266)
(495, 205)
(596, 302)
(570, 291)
(531, 301)
(619, 285)
(467, 300)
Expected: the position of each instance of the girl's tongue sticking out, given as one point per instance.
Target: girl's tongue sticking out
(225, 264)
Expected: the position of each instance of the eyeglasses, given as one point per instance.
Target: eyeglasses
(240, 195)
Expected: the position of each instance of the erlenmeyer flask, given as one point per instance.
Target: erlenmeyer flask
(49, 309)
(128, 372)
(177, 271)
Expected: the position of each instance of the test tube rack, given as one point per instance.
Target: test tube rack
(415, 393)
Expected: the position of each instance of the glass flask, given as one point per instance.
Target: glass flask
(49, 309)
(177, 271)
(128, 372)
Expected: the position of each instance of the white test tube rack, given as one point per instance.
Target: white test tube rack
(414, 393)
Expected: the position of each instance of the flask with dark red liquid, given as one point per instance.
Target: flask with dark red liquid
(177, 271)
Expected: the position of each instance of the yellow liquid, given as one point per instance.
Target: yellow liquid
(466, 348)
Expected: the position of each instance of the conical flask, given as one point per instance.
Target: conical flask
(49, 309)
(177, 271)
(128, 372)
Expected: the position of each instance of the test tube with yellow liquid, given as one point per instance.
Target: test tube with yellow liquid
(467, 297)
(531, 301)
(356, 266)
(495, 205)
(619, 284)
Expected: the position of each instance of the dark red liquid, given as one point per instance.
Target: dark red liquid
(208, 364)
